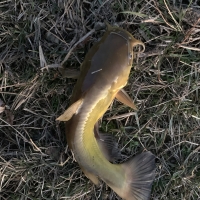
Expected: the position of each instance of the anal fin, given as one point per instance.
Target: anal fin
(108, 147)
(91, 176)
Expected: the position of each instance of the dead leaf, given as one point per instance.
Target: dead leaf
(43, 62)
(69, 73)
(2, 106)
(9, 116)
(53, 152)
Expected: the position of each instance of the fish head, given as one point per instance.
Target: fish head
(108, 62)
(118, 56)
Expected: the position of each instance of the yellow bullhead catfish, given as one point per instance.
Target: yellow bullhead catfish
(104, 72)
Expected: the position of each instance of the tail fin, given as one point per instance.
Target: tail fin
(139, 173)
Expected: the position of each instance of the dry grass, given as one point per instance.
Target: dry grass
(35, 37)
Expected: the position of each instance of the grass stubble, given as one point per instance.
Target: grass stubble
(36, 36)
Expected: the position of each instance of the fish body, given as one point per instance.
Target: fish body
(104, 72)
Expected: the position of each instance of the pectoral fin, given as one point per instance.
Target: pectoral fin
(124, 98)
(67, 115)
